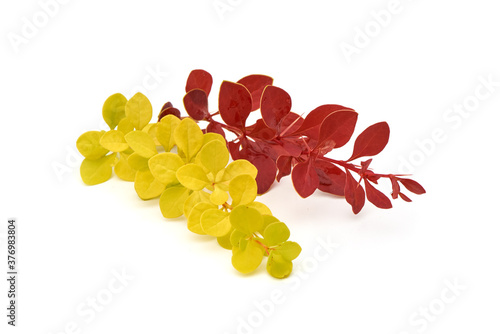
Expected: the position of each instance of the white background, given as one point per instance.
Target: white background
(389, 266)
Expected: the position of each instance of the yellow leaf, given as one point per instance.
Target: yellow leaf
(188, 137)
(114, 141)
(141, 143)
(193, 199)
(218, 196)
(214, 156)
(163, 166)
(209, 136)
(194, 218)
(88, 144)
(147, 186)
(139, 110)
(137, 162)
(152, 129)
(125, 126)
(192, 177)
(113, 110)
(165, 131)
(172, 201)
(239, 167)
(123, 169)
(215, 222)
(97, 171)
(243, 190)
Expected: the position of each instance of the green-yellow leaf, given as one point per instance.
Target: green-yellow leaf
(163, 166)
(172, 201)
(268, 220)
(277, 266)
(88, 144)
(262, 208)
(214, 156)
(239, 167)
(97, 171)
(246, 261)
(289, 250)
(139, 110)
(194, 218)
(243, 189)
(147, 186)
(276, 233)
(114, 140)
(245, 219)
(225, 240)
(123, 169)
(192, 177)
(113, 110)
(141, 143)
(165, 131)
(236, 237)
(188, 137)
(215, 222)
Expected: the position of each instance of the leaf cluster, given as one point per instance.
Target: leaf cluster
(282, 142)
(191, 173)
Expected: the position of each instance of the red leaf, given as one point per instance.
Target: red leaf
(290, 123)
(196, 104)
(371, 141)
(331, 178)
(266, 171)
(376, 197)
(291, 146)
(216, 128)
(336, 130)
(404, 197)
(412, 186)
(261, 147)
(305, 179)
(255, 84)
(395, 187)
(234, 149)
(313, 120)
(167, 105)
(169, 111)
(284, 165)
(199, 79)
(261, 130)
(372, 176)
(275, 105)
(354, 193)
(235, 103)
(365, 165)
